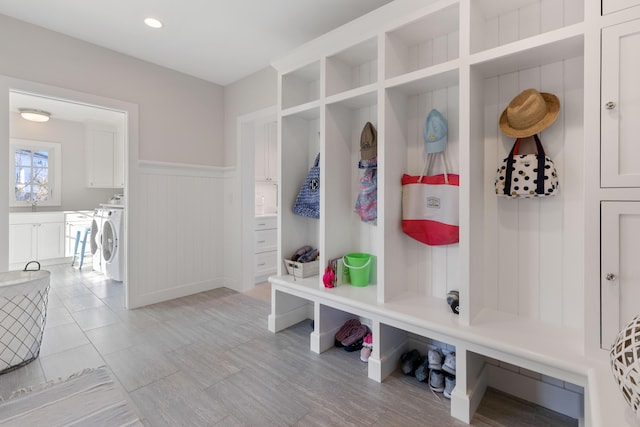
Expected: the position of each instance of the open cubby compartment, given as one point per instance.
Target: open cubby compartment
(414, 271)
(425, 42)
(288, 309)
(499, 22)
(328, 322)
(301, 86)
(541, 389)
(352, 68)
(343, 230)
(528, 257)
(394, 342)
(300, 144)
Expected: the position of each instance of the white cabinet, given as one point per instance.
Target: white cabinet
(266, 151)
(105, 156)
(620, 270)
(610, 6)
(620, 107)
(265, 258)
(36, 236)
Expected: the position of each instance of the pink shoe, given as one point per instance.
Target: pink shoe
(367, 348)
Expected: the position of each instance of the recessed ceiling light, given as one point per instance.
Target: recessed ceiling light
(153, 22)
(34, 115)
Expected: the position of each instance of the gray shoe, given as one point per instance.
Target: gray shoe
(449, 365)
(435, 359)
(436, 381)
(449, 385)
(422, 371)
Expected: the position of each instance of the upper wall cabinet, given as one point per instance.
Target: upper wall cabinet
(610, 6)
(266, 151)
(620, 107)
(105, 157)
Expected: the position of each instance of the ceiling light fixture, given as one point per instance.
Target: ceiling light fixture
(34, 115)
(152, 22)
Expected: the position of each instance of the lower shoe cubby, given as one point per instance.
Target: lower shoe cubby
(484, 372)
(430, 361)
(288, 309)
(330, 321)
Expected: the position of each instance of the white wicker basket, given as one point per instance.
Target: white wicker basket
(625, 363)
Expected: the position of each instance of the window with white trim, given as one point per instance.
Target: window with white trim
(35, 173)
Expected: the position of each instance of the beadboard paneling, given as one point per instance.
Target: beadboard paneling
(432, 270)
(180, 221)
(533, 247)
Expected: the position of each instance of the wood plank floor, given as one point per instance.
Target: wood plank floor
(208, 360)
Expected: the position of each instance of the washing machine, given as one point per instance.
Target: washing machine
(97, 222)
(112, 243)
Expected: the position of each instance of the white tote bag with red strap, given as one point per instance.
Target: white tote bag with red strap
(430, 205)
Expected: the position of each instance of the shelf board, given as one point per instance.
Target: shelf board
(427, 79)
(547, 48)
(555, 346)
(361, 97)
(532, 344)
(309, 110)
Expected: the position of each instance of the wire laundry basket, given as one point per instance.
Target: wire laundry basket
(23, 311)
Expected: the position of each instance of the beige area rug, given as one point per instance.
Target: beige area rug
(88, 398)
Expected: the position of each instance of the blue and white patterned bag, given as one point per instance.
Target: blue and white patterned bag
(308, 201)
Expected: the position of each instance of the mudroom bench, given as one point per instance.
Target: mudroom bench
(572, 384)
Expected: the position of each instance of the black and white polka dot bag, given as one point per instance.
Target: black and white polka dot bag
(526, 175)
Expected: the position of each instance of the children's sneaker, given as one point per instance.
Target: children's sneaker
(436, 381)
(422, 371)
(449, 365)
(410, 361)
(449, 385)
(435, 359)
(367, 347)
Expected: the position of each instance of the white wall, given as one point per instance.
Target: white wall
(174, 118)
(181, 117)
(75, 193)
(253, 93)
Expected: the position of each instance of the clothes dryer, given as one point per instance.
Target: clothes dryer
(112, 243)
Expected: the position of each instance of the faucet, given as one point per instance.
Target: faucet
(33, 205)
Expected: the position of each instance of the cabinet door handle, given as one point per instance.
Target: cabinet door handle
(611, 277)
(610, 105)
(261, 264)
(261, 241)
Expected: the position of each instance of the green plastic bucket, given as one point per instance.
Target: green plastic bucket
(359, 265)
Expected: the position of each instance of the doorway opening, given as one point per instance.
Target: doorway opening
(89, 203)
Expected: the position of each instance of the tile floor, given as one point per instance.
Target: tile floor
(208, 360)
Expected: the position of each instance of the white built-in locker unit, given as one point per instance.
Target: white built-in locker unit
(527, 270)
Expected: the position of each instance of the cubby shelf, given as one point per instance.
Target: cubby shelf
(467, 59)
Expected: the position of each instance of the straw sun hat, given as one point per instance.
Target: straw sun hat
(529, 113)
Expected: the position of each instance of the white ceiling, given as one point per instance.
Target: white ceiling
(216, 40)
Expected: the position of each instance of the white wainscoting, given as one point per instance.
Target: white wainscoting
(176, 237)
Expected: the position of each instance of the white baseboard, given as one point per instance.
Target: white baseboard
(175, 292)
